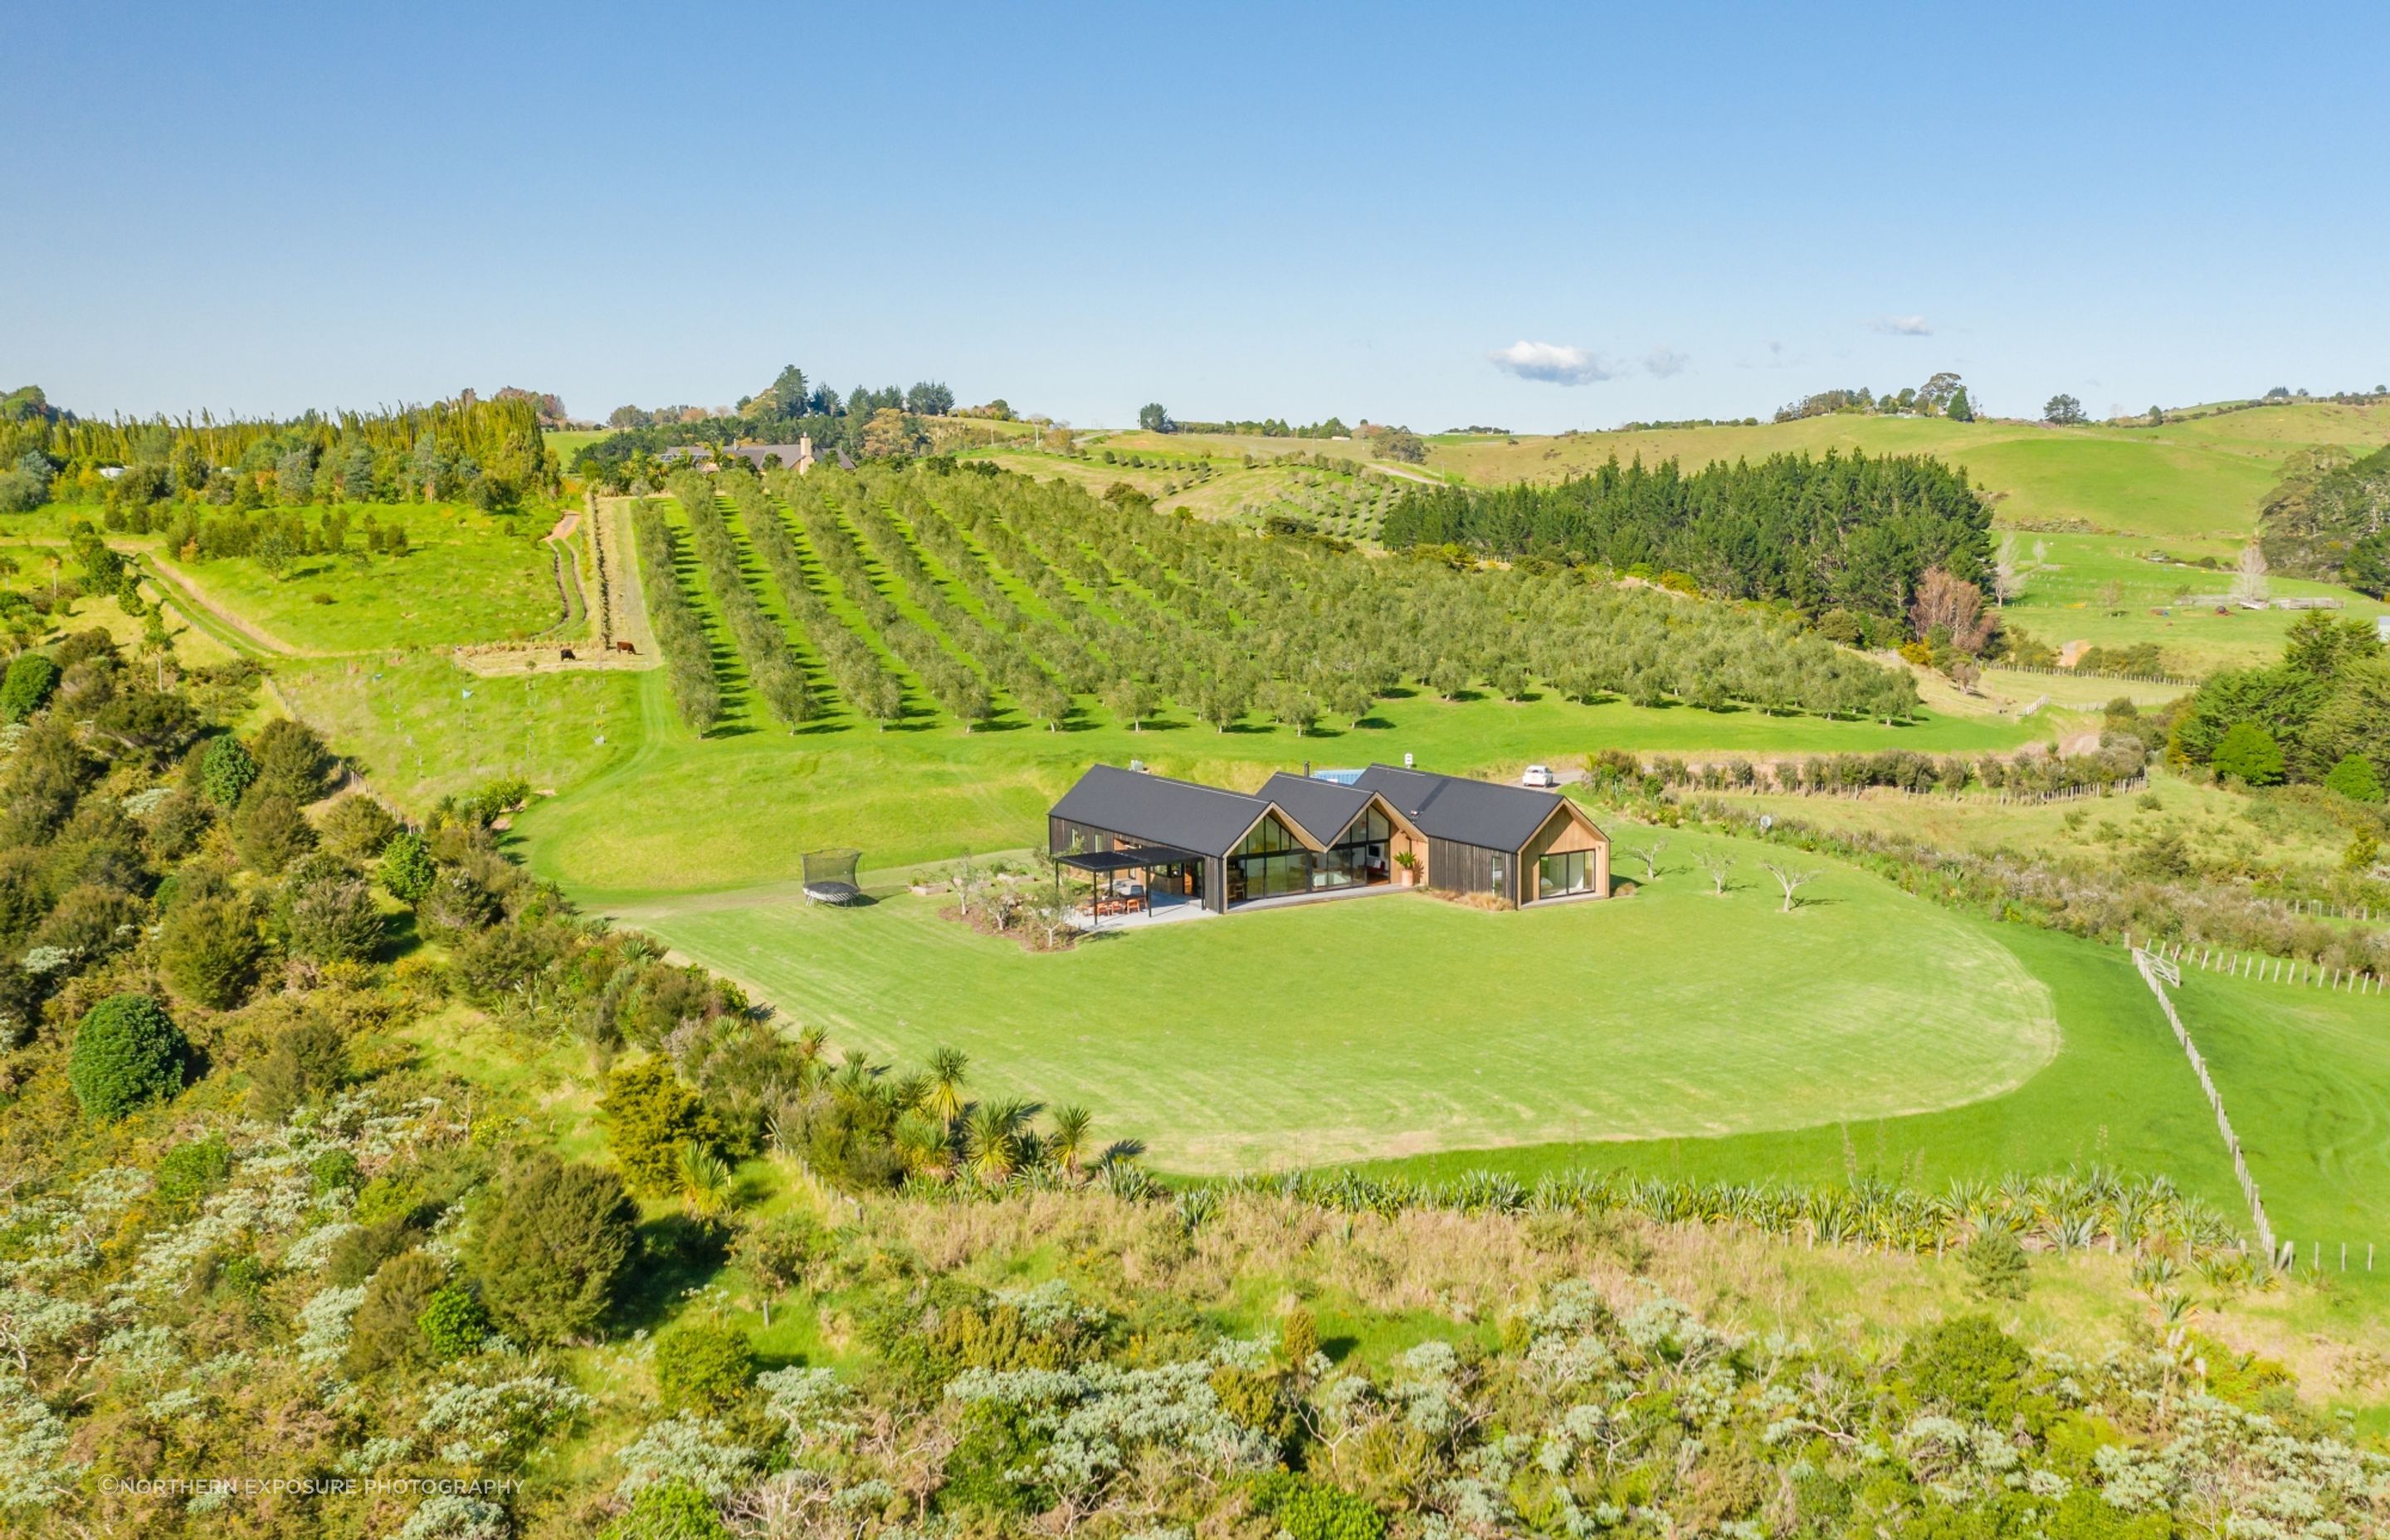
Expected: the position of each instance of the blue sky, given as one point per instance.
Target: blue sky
(1279, 209)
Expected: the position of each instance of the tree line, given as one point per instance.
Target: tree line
(1854, 532)
(489, 453)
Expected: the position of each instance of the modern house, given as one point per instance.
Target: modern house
(1299, 836)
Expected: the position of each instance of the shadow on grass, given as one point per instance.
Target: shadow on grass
(676, 1253)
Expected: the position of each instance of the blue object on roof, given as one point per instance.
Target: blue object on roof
(1342, 778)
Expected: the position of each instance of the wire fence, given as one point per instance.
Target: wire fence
(2259, 968)
(2094, 674)
(2155, 972)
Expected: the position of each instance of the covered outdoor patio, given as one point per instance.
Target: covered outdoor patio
(1133, 885)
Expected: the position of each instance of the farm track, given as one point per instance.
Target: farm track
(236, 632)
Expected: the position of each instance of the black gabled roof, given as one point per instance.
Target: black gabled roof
(1157, 810)
(1323, 808)
(1466, 812)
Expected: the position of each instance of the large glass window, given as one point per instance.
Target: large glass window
(1360, 855)
(1269, 862)
(1569, 872)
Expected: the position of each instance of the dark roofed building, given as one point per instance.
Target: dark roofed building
(1483, 838)
(1304, 836)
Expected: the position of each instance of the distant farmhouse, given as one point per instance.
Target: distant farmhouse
(797, 456)
(1308, 837)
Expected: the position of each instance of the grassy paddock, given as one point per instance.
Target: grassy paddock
(2118, 1094)
(738, 807)
(1396, 1023)
(466, 577)
(2306, 1077)
(407, 723)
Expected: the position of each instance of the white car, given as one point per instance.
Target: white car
(1540, 776)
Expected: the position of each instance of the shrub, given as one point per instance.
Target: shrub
(553, 1247)
(453, 1323)
(179, 823)
(359, 828)
(126, 1052)
(704, 1368)
(226, 771)
(386, 1329)
(292, 762)
(1996, 1266)
(209, 950)
(92, 920)
(1310, 1511)
(2249, 754)
(335, 1171)
(308, 1061)
(270, 832)
(649, 1114)
(333, 919)
(408, 870)
(21, 992)
(2354, 777)
(188, 1170)
(28, 683)
(668, 1510)
(1970, 1365)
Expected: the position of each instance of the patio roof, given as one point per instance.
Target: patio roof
(1101, 861)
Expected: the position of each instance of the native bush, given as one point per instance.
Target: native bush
(127, 1051)
(331, 916)
(308, 1061)
(270, 832)
(358, 827)
(453, 1323)
(226, 770)
(387, 1327)
(209, 949)
(649, 1114)
(552, 1249)
(704, 1367)
(30, 679)
(407, 869)
(291, 762)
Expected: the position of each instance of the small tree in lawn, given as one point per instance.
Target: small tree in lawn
(1650, 856)
(1718, 864)
(1791, 878)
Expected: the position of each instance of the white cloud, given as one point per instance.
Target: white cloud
(1903, 326)
(1663, 362)
(1553, 362)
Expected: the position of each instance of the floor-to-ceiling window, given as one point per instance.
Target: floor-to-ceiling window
(1270, 860)
(1360, 855)
(1568, 872)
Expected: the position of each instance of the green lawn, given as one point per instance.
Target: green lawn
(466, 577)
(409, 724)
(2306, 1077)
(739, 807)
(2119, 1093)
(1395, 1023)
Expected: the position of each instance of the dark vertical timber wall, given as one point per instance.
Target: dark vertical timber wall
(1458, 866)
